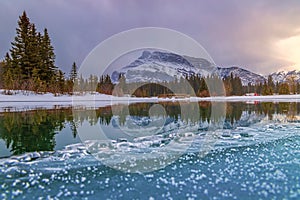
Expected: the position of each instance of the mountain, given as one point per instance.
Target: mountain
(158, 66)
(245, 75)
(283, 76)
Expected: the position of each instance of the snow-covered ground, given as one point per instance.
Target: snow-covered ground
(24, 100)
(271, 98)
(29, 100)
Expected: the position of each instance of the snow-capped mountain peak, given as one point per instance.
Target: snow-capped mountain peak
(283, 76)
(245, 75)
(160, 66)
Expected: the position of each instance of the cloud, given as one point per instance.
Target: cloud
(234, 32)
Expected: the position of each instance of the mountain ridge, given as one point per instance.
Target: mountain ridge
(160, 66)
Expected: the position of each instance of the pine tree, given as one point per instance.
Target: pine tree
(79, 85)
(48, 68)
(258, 88)
(8, 73)
(106, 86)
(72, 80)
(73, 73)
(228, 86)
(292, 84)
(237, 87)
(284, 88)
(267, 88)
(58, 82)
(203, 89)
(33, 52)
(271, 85)
(276, 89)
(92, 83)
(61, 81)
(298, 88)
(20, 48)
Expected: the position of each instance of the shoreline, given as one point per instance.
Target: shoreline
(21, 102)
(98, 97)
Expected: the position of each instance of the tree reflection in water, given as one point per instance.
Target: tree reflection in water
(35, 130)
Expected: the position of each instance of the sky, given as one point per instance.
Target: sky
(260, 35)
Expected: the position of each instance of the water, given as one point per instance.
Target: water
(152, 151)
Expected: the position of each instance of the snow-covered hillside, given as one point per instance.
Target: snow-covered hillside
(162, 66)
(283, 76)
(245, 75)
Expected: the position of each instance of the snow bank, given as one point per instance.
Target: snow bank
(271, 98)
(28, 100)
(24, 100)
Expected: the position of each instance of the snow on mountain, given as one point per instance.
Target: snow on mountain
(245, 75)
(284, 76)
(160, 66)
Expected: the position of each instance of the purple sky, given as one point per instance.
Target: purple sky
(263, 36)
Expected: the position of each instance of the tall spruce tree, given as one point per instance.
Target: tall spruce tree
(73, 73)
(48, 68)
(8, 76)
(33, 51)
(60, 81)
(20, 48)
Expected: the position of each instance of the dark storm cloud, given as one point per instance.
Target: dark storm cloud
(233, 32)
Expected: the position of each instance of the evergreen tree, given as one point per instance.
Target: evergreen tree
(8, 73)
(92, 83)
(258, 88)
(33, 52)
(20, 49)
(48, 68)
(267, 89)
(298, 88)
(203, 89)
(228, 86)
(284, 88)
(276, 87)
(105, 85)
(237, 87)
(292, 84)
(73, 73)
(72, 80)
(271, 85)
(59, 82)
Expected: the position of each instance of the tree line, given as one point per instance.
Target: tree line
(269, 87)
(194, 85)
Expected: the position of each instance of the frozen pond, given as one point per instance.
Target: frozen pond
(167, 150)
